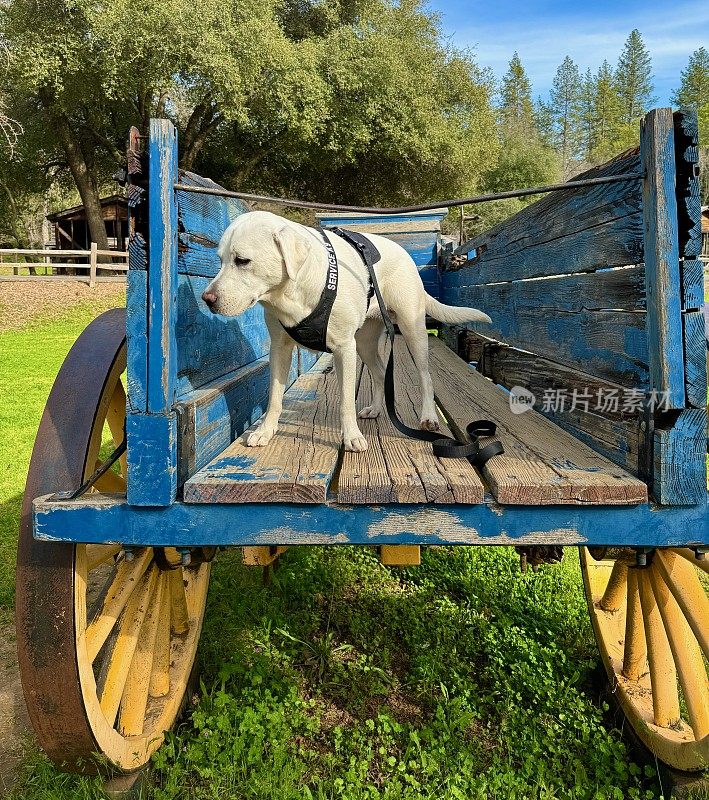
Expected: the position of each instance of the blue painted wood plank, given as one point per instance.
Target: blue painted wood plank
(208, 345)
(426, 221)
(621, 288)
(608, 344)
(680, 476)
(162, 266)
(137, 338)
(662, 271)
(564, 232)
(695, 355)
(106, 519)
(152, 459)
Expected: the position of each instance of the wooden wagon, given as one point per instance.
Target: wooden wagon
(597, 338)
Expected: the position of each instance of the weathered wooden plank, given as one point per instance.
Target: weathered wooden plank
(680, 476)
(396, 468)
(609, 344)
(692, 284)
(401, 555)
(137, 338)
(162, 267)
(689, 202)
(209, 345)
(579, 230)
(542, 463)
(101, 518)
(621, 288)
(695, 356)
(662, 272)
(152, 459)
(296, 466)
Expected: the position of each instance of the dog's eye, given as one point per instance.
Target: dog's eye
(241, 262)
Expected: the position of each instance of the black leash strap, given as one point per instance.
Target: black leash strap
(443, 446)
(91, 480)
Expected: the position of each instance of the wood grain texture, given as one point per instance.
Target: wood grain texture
(162, 272)
(209, 345)
(137, 340)
(152, 458)
(297, 464)
(695, 357)
(611, 345)
(395, 468)
(576, 231)
(203, 219)
(689, 203)
(542, 464)
(101, 518)
(680, 476)
(662, 271)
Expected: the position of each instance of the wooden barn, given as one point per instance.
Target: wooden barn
(71, 231)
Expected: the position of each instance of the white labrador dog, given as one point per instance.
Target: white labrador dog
(283, 265)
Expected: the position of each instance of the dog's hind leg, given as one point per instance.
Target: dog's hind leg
(413, 329)
(369, 339)
(279, 361)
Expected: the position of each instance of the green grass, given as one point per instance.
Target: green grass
(457, 679)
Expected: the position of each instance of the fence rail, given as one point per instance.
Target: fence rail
(119, 263)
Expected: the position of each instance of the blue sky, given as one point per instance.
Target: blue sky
(544, 31)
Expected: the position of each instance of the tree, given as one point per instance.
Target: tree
(516, 109)
(565, 100)
(633, 78)
(607, 115)
(694, 90)
(587, 114)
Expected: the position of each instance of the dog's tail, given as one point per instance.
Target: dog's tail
(453, 314)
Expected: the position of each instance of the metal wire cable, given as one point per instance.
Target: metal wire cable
(461, 201)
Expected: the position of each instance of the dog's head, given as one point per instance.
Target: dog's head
(259, 252)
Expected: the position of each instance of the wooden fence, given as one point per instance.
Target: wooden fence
(55, 265)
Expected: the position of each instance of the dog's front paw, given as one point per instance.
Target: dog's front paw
(370, 412)
(355, 443)
(260, 437)
(428, 424)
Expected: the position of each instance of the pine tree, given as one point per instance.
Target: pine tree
(694, 90)
(565, 100)
(544, 122)
(587, 115)
(633, 78)
(516, 109)
(607, 113)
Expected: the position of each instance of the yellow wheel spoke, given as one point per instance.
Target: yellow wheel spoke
(688, 554)
(663, 674)
(689, 593)
(614, 595)
(116, 417)
(178, 602)
(110, 482)
(160, 676)
(121, 656)
(128, 574)
(134, 700)
(687, 656)
(634, 650)
(97, 554)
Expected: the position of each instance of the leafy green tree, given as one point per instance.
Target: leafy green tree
(633, 78)
(694, 90)
(516, 108)
(565, 101)
(587, 114)
(607, 115)
(544, 122)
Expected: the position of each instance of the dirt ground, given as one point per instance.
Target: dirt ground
(25, 301)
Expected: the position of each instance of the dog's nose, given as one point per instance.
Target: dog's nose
(209, 298)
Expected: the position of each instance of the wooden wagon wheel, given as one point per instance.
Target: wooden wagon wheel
(106, 643)
(652, 628)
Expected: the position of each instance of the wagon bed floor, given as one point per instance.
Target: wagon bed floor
(305, 463)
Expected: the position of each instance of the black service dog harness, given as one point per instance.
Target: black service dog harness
(311, 332)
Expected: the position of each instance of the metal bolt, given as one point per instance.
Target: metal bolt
(128, 554)
(641, 555)
(700, 553)
(186, 556)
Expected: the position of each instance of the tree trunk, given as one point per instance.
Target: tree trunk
(83, 178)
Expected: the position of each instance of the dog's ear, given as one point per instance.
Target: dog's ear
(294, 248)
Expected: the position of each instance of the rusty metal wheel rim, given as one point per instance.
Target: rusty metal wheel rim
(652, 629)
(67, 692)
